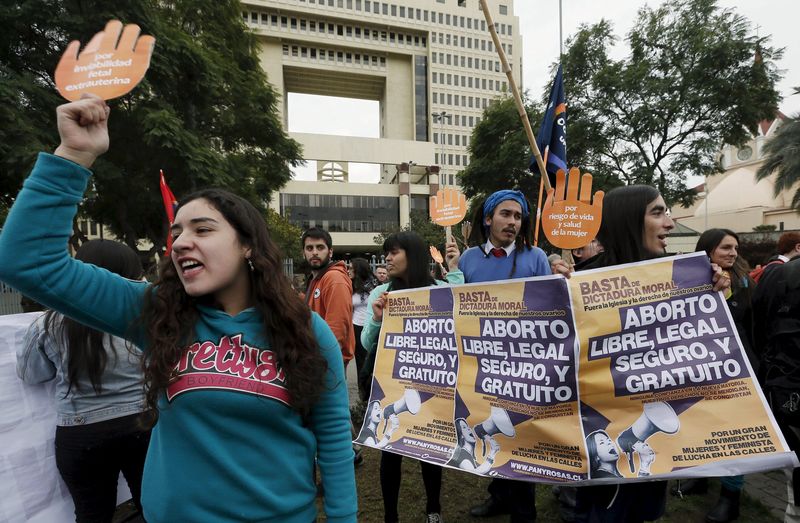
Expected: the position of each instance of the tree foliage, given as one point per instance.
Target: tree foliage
(782, 157)
(285, 235)
(505, 166)
(696, 76)
(204, 112)
(420, 222)
(499, 152)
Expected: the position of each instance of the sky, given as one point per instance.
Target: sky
(540, 37)
(539, 28)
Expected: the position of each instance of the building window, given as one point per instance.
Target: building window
(503, 9)
(339, 213)
(421, 97)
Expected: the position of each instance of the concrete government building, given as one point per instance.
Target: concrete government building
(432, 67)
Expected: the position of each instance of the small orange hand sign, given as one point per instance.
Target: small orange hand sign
(436, 255)
(448, 207)
(109, 66)
(571, 222)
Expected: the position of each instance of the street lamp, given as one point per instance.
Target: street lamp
(440, 117)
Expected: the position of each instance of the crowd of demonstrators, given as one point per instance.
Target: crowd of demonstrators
(220, 296)
(752, 306)
(407, 263)
(100, 404)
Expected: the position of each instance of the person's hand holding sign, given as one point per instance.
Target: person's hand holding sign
(83, 128)
(437, 257)
(570, 221)
(112, 63)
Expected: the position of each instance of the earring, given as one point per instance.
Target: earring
(250, 264)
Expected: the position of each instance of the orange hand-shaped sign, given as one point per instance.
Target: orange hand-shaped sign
(448, 207)
(572, 221)
(110, 65)
(436, 255)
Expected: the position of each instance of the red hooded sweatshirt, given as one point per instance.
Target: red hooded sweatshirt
(330, 294)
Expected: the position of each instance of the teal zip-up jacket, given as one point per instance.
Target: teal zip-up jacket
(226, 447)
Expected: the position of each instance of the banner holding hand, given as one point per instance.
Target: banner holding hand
(111, 65)
(571, 221)
(448, 207)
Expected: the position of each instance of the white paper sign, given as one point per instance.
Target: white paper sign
(31, 487)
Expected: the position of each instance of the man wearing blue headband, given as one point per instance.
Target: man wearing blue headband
(501, 233)
(502, 249)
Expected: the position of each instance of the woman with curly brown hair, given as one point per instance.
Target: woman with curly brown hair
(248, 384)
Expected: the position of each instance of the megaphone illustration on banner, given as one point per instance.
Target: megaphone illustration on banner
(409, 402)
(657, 417)
(498, 422)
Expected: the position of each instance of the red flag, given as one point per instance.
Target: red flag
(169, 207)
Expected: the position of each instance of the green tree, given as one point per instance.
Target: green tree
(420, 222)
(696, 76)
(782, 157)
(204, 112)
(286, 235)
(499, 152)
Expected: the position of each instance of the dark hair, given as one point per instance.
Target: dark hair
(591, 450)
(479, 233)
(711, 238)
(316, 233)
(591, 447)
(740, 277)
(363, 280)
(622, 229)
(417, 260)
(787, 241)
(460, 432)
(169, 314)
(86, 353)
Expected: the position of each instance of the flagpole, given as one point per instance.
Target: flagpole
(560, 34)
(523, 114)
(539, 201)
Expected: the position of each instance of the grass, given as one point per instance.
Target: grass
(461, 490)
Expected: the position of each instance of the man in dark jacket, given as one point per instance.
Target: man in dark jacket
(776, 306)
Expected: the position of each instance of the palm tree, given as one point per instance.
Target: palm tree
(782, 156)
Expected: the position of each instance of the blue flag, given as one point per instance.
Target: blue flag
(553, 131)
